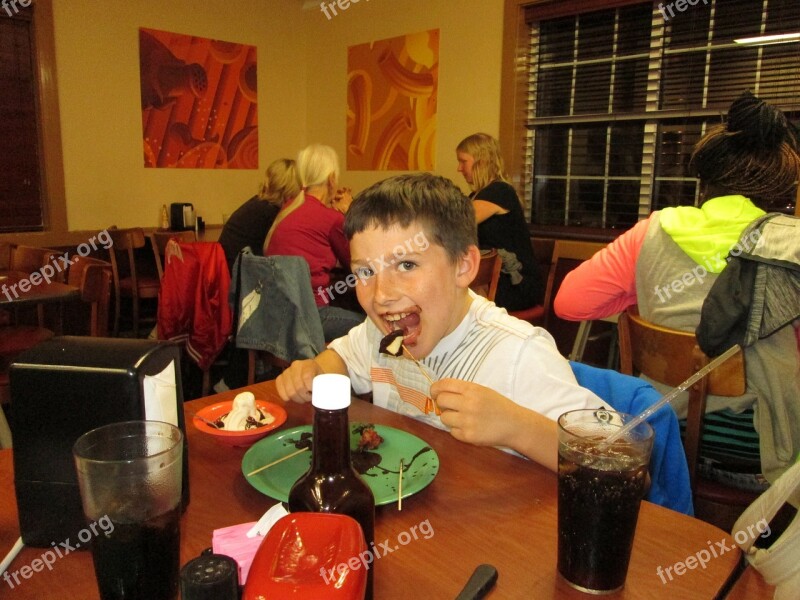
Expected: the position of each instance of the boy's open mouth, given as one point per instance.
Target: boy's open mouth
(408, 322)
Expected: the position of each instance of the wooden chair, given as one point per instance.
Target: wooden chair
(485, 282)
(670, 356)
(93, 277)
(16, 338)
(566, 255)
(28, 259)
(184, 263)
(159, 240)
(128, 280)
(543, 251)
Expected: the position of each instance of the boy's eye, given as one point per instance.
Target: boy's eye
(406, 265)
(363, 272)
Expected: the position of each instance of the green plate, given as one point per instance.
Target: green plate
(421, 463)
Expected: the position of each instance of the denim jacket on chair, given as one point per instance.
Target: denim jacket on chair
(273, 299)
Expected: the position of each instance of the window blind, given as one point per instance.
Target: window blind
(619, 96)
(20, 196)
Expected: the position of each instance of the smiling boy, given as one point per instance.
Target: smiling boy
(499, 381)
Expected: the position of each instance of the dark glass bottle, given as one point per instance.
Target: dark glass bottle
(331, 483)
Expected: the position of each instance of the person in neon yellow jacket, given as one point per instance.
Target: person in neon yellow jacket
(668, 262)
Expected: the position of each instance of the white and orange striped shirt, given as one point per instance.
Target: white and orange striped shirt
(489, 347)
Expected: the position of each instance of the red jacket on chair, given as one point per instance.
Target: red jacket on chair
(193, 301)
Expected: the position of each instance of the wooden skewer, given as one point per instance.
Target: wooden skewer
(400, 487)
(425, 373)
(275, 462)
(419, 365)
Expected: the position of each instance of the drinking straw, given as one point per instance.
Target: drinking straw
(671, 395)
(12, 554)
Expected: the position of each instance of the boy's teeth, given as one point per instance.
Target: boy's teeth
(396, 317)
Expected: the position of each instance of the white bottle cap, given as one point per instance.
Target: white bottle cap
(331, 391)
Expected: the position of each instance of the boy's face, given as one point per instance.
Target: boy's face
(411, 284)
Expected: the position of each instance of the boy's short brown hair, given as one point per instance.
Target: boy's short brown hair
(435, 202)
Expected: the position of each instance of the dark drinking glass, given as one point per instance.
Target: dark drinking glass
(600, 488)
(331, 483)
(130, 477)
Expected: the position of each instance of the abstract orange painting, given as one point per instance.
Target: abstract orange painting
(391, 103)
(199, 102)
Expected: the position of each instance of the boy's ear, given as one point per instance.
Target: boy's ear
(467, 267)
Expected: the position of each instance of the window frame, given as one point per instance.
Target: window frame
(51, 161)
(514, 133)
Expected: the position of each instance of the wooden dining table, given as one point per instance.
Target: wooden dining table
(483, 506)
(19, 289)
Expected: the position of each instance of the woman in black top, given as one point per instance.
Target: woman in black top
(501, 222)
(248, 226)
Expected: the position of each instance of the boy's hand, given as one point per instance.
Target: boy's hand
(296, 381)
(481, 416)
(474, 413)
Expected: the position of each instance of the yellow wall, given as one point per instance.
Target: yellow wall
(302, 59)
(97, 54)
(469, 69)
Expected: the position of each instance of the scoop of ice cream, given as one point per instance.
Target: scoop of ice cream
(244, 408)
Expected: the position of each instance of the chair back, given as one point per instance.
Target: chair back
(567, 254)
(670, 356)
(93, 277)
(128, 279)
(28, 259)
(275, 309)
(485, 282)
(121, 254)
(159, 240)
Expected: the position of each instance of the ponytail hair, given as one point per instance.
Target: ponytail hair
(280, 182)
(315, 164)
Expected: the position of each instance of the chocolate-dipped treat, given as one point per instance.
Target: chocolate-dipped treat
(392, 344)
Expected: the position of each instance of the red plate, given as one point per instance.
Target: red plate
(237, 438)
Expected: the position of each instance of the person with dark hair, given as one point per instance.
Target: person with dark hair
(668, 262)
(249, 224)
(496, 380)
(501, 222)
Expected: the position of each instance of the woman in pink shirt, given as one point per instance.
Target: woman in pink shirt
(311, 226)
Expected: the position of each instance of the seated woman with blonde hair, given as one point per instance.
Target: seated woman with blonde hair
(312, 226)
(249, 224)
(501, 222)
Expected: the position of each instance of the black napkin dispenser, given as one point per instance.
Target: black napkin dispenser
(181, 216)
(67, 386)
